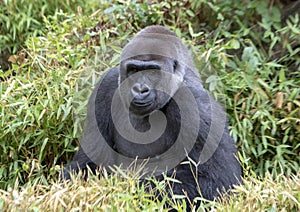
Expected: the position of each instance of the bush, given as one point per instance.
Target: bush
(236, 47)
(23, 19)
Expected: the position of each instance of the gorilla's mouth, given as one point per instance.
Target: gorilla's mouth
(141, 103)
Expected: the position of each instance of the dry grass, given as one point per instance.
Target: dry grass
(112, 193)
(282, 194)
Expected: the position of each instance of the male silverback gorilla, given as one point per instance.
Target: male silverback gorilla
(168, 115)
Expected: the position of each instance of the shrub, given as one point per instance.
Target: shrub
(236, 47)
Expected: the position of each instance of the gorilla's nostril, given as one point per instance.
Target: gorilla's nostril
(145, 90)
(140, 90)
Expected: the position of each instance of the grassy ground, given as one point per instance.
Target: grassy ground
(115, 193)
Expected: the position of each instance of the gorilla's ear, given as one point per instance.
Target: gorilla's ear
(179, 69)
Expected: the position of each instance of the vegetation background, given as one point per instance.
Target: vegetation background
(52, 52)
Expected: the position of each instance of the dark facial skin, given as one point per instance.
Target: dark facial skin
(144, 73)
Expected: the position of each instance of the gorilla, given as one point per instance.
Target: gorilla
(153, 107)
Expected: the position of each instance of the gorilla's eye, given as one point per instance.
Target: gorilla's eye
(135, 67)
(175, 64)
(131, 71)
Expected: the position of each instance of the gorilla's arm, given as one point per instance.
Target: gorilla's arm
(222, 170)
(104, 93)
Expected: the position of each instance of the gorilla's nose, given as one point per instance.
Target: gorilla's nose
(140, 91)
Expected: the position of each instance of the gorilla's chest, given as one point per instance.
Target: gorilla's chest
(145, 142)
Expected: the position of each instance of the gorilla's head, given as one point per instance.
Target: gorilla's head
(152, 68)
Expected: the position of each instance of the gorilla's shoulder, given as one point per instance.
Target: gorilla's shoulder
(110, 77)
(106, 86)
(109, 81)
(193, 81)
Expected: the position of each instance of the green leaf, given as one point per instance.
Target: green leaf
(190, 13)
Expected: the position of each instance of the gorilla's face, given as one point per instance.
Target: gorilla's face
(150, 81)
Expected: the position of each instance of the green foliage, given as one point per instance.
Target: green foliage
(247, 60)
(36, 107)
(22, 19)
(256, 75)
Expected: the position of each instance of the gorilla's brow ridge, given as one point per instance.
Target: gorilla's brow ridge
(142, 66)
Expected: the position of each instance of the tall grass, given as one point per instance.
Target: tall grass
(115, 193)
